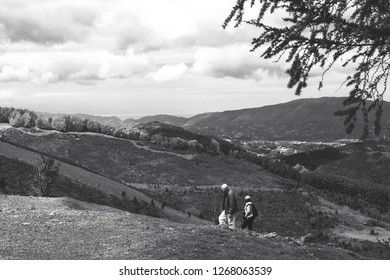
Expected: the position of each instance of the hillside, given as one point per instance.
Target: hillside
(130, 161)
(187, 184)
(85, 178)
(302, 119)
(64, 228)
(368, 160)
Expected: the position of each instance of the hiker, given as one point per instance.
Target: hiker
(229, 212)
(250, 213)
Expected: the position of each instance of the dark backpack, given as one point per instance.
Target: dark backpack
(254, 211)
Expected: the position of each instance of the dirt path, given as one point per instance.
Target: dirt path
(93, 180)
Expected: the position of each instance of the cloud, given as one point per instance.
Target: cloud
(234, 61)
(10, 74)
(80, 67)
(169, 73)
(46, 22)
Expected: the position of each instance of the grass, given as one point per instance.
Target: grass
(121, 160)
(16, 177)
(62, 228)
(190, 185)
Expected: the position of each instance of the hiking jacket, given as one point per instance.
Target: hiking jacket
(230, 203)
(248, 210)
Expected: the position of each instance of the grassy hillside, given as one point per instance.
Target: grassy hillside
(80, 184)
(189, 182)
(133, 162)
(63, 228)
(15, 178)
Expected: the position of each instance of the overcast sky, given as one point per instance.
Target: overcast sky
(136, 58)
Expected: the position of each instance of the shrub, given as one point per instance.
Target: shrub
(59, 123)
(5, 112)
(74, 124)
(15, 118)
(133, 133)
(144, 135)
(119, 132)
(28, 119)
(43, 123)
(92, 126)
(106, 129)
(157, 138)
(213, 147)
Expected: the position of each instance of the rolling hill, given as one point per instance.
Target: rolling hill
(302, 119)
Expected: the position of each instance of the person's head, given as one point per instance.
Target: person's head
(225, 188)
(247, 198)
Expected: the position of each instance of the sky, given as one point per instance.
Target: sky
(133, 58)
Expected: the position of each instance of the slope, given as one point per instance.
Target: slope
(63, 228)
(91, 179)
(127, 162)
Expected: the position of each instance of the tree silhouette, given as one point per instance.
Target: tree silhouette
(317, 33)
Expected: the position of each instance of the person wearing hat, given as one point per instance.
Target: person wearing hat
(249, 216)
(229, 213)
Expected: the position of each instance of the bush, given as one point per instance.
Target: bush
(134, 133)
(59, 123)
(157, 138)
(43, 122)
(119, 132)
(28, 119)
(92, 126)
(106, 129)
(213, 147)
(15, 118)
(144, 135)
(75, 124)
(5, 112)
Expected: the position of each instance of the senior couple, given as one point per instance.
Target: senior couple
(230, 212)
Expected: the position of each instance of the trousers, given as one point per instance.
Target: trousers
(228, 220)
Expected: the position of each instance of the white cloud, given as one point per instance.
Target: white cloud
(10, 74)
(80, 67)
(46, 22)
(169, 72)
(234, 61)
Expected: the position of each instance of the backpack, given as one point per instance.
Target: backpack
(254, 211)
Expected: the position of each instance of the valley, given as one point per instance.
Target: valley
(327, 197)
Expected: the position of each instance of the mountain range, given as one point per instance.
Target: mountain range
(310, 119)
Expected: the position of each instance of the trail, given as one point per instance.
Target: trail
(94, 180)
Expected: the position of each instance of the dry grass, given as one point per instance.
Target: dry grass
(63, 228)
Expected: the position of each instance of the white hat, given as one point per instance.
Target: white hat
(247, 197)
(224, 186)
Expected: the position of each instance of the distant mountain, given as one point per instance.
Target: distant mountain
(168, 119)
(310, 119)
(303, 119)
